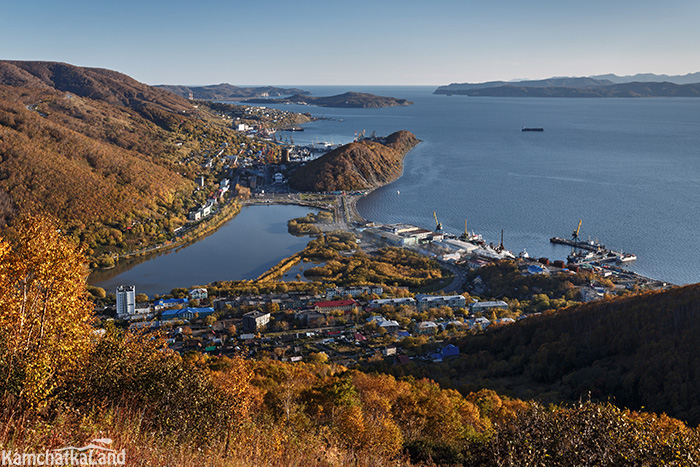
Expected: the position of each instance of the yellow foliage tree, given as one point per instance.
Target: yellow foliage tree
(45, 313)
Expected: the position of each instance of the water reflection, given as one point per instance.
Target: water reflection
(252, 242)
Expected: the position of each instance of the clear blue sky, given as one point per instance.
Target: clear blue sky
(359, 42)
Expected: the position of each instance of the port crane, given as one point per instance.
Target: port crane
(574, 236)
(438, 225)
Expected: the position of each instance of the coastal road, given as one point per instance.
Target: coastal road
(460, 277)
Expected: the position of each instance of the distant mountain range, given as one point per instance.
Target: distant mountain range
(647, 85)
(690, 78)
(225, 91)
(347, 100)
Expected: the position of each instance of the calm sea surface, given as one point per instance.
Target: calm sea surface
(629, 168)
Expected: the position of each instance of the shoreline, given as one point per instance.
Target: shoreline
(217, 220)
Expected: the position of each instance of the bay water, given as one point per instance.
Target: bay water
(628, 168)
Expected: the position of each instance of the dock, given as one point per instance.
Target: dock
(589, 245)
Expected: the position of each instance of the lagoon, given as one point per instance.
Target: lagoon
(245, 247)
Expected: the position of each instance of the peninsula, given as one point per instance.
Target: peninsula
(573, 87)
(345, 100)
(228, 92)
(360, 165)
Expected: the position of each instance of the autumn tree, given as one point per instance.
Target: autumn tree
(45, 312)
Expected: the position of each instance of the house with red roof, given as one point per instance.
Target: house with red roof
(333, 305)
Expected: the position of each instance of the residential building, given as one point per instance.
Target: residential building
(478, 323)
(170, 303)
(457, 324)
(490, 305)
(426, 327)
(126, 301)
(255, 320)
(389, 325)
(141, 310)
(198, 294)
(312, 318)
(505, 321)
(425, 302)
(202, 212)
(445, 352)
(333, 305)
(186, 313)
(408, 301)
(354, 291)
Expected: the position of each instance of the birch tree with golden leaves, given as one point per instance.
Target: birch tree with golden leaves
(45, 312)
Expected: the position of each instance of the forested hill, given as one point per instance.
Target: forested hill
(346, 100)
(108, 155)
(356, 166)
(571, 87)
(640, 351)
(225, 91)
(95, 83)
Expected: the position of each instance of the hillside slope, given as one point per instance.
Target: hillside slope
(112, 158)
(225, 91)
(99, 84)
(638, 352)
(346, 100)
(356, 166)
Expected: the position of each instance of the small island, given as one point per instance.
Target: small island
(346, 100)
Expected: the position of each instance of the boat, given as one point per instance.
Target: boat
(578, 257)
(474, 238)
(398, 192)
(609, 257)
(532, 129)
(626, 257)
(524, 254)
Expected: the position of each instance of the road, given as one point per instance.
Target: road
(460, 277)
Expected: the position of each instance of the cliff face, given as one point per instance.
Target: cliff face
(356, 166)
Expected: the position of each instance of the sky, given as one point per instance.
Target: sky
(363, 42)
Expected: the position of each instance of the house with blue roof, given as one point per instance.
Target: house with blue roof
(448, 351)
(186, 313)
